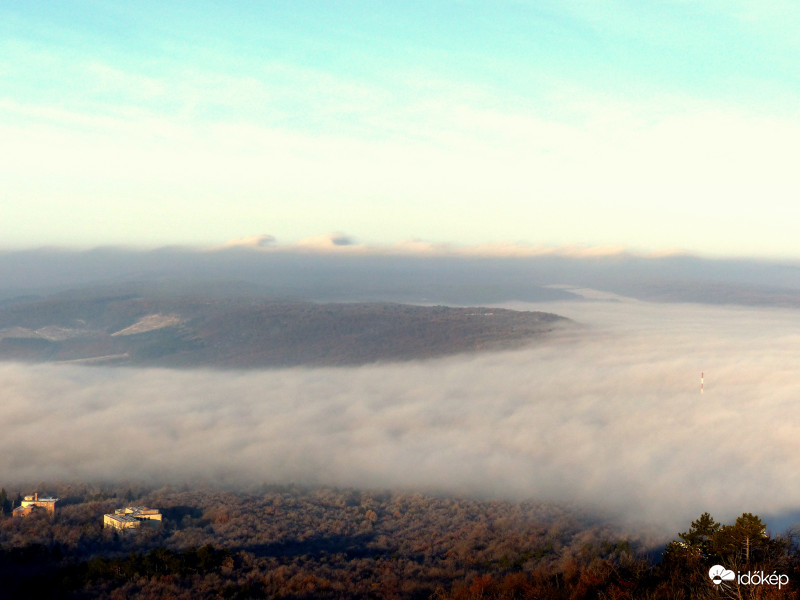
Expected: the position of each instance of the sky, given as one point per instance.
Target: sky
(657, 126)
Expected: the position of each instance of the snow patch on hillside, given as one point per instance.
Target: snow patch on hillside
(150, 323)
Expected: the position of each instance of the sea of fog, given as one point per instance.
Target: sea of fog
(608, 416)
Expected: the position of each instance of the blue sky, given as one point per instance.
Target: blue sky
(654, 126)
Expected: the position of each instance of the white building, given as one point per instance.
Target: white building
(133, 517)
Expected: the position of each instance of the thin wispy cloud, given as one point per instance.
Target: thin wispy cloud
(342, 243)
(669, 165)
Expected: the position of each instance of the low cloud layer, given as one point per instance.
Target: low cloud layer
(417, 272)
(342, 243)
(610, 417)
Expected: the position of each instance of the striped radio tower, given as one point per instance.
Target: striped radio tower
(701, 382)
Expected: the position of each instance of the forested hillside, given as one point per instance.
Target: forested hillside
(162, 329)
(334, 543)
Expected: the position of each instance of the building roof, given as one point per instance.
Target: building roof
(122, 518)
(136, 510)
(37, 498)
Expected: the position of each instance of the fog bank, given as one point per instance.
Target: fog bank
(415, 277)
(611, 417)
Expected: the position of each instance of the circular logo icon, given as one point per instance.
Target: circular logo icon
(718, 574)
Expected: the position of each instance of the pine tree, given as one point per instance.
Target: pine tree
(746, 540)
(701, 533)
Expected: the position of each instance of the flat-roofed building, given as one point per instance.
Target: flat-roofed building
(133, 517)
(34, 502)
(120, 522)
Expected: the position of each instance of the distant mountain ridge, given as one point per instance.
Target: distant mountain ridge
(449, 280)
(95, 327)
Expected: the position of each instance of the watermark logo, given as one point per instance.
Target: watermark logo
(719, 575)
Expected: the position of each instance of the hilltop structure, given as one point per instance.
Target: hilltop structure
(32, 503)
(133, 517)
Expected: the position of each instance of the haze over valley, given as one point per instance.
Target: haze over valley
(599, 406)
(451, 300)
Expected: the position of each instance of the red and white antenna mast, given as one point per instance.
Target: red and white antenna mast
(701, 381)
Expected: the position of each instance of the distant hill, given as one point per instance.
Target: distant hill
(157, 329)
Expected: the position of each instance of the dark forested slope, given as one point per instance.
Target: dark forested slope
(287, 542)
(246, 332)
